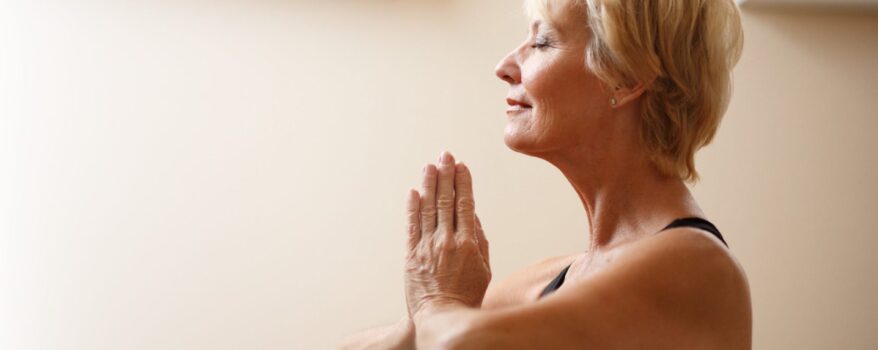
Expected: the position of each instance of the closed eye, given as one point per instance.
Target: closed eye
(541, 42)
(539, 46)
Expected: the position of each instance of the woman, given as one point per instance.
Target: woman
(618, 95)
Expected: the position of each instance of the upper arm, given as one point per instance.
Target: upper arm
(667, 293)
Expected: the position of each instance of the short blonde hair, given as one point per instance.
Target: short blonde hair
(684, 49)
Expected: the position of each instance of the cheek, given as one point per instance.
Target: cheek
(540, 85)
(565, 91)
(557, 96)
(567, 106)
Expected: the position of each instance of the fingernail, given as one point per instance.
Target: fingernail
(444, 158)
(460, 167)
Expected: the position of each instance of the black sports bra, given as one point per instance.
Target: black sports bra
(687, 222)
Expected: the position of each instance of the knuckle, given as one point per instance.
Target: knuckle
(416, 266)
(466, 204)
(448, 248)
(428, 215)
(423, 254)
(468, 245)
(466, 236)
(444, 202)
(428, 209)
(445, 245)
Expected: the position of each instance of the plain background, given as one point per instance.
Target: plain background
(231, 174)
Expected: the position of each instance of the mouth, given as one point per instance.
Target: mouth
(516, 106)
(517, 109)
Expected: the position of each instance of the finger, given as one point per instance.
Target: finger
(483, 241)
(445, 193)
(464, 202)
(413, 215)
(428, 201)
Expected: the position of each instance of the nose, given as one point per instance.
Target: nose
(508, 69)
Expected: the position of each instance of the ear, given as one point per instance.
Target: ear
(626, 95)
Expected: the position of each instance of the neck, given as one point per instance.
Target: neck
(625, 197)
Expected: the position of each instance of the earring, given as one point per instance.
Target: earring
(613, 101)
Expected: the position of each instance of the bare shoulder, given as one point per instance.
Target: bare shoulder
(696, 261)
(688, 287)
(706, 283)
(524, 285)
(679, 289)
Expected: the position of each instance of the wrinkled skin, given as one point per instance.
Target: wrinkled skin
(561, 112)
(447, 260)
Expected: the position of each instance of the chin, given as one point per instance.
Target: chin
(519, 137)
(527, 135)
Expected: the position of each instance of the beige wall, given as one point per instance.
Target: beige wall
(230, 174)
(791, 177)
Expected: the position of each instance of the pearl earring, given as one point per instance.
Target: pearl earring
(613, 101)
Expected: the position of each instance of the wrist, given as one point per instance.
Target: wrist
(405, 330)
(436, 306)
(440, 324)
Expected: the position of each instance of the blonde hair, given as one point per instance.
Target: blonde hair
(683, 50)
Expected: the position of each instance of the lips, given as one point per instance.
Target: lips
(516, 106)
(513, 103)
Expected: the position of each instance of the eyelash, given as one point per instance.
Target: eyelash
(541, 43)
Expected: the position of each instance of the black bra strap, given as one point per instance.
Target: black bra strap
(556, 283)
(697, 223)
(683, 222)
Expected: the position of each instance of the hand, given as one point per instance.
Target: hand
(447, 260)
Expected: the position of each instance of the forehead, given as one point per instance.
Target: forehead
(555, 13)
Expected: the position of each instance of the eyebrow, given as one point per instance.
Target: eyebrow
(534, 26)
(537, 24)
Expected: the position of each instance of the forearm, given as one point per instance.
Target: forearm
(400, 336)
(446, 327)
